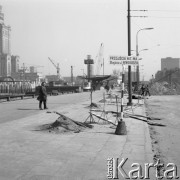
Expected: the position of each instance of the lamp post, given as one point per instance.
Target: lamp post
(137, 52)
(72, 75)
(83, 76)
(142, 50)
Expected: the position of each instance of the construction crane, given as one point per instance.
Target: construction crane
(56, 66)
(99, 59)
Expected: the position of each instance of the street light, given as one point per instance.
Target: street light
(83, 76)
(142, 50)
(137, 52)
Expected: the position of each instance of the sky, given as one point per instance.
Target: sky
(69, 30)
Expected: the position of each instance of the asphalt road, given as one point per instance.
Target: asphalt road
(17, 109)
(167, 138)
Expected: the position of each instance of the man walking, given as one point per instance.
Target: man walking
(42, 96)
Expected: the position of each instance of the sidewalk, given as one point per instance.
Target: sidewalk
(27, 154)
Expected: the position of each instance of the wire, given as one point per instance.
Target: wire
(163, 17)
(138, 10)
(173, 11)
(139, 16)
(165, 10)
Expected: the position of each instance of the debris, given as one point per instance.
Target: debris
(155, 124)
(146, 120)
(93, 105)
(135, 96)
(102, 118)
(153, 118)
(64, 124)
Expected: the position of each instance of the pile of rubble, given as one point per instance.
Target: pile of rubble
(64, 124)
(163, 88)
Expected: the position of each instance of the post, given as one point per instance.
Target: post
(121, 127)
(137, 54)
(129, 54)
(83, 77)
(72, 75)
(103, 66)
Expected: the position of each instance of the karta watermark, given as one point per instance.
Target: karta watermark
(115, 169)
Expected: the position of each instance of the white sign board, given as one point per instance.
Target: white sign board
(125, 60)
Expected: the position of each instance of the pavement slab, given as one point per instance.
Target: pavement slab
(27, 153)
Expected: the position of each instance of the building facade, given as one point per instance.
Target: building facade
(170, 63)
(5, 65)
(14, 64)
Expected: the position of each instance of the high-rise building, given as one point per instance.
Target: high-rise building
(33, 69)
(14, 64)
(5, 48)
(170, 63)
(1, 15)
(5, 65)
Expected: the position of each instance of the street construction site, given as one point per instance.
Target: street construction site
(75, 141)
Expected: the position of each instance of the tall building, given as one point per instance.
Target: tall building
(5, 65)
(170, 63)
(14, 64)
(1, 15)
(5, 47)
(33, 69)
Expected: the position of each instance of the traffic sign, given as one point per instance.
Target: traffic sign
(123, 60)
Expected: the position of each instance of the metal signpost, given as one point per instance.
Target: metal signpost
(122, 60)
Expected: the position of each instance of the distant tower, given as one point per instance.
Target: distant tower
(5, 47)
(89, 63)
(1, 16)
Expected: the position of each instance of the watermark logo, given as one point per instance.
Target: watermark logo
(115, 169)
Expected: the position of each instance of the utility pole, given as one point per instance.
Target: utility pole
(72, 75)
(83, 76)
(103, 66)
(129, 54)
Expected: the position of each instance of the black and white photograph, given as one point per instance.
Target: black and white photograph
(89, 89)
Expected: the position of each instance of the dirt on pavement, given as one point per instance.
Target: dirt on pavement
(165, 140)
(64, 124)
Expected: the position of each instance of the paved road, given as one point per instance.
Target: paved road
(17, 109)
(167, 138)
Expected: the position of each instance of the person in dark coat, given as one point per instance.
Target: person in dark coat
(42, 96)
(142, 90)
(147, 91)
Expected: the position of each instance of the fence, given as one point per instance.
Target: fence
(10, 88)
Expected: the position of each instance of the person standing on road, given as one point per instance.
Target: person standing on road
(147, 91)
(142, 90)
(42, 96)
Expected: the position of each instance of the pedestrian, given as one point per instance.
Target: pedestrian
(107, 88)
(94, 87)
(147, 91)
(142, 90)
(42, 96)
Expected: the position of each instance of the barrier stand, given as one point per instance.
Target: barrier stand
(104, 114)
(121, 127)
(117, 115)
(90, 117)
